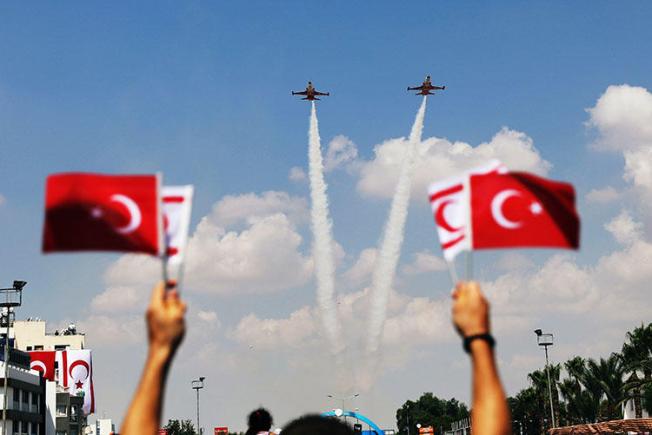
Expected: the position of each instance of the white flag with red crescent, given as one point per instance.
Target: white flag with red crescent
(177, 207)
(76, 374)
(450, 201)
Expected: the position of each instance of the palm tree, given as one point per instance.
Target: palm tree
(581, 393)
(539, 380)
(608, 374)
(637, 357)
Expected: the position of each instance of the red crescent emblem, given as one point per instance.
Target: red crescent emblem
(82, 363)
(441, 220)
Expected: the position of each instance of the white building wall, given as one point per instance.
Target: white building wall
(31, 334)
(103, 426)
(50, 408)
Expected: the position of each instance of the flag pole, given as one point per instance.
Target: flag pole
(452, 273)
(469, 265)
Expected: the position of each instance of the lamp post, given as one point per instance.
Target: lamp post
(9, 299)
(343, 398)
(546, 340)
(197, 385)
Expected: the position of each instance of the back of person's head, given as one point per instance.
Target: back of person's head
(316, 425)
(260, 420)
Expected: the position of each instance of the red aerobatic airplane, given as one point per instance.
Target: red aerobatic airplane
(426, 87)
(311, 93)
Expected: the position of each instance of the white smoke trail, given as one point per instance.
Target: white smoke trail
(323, 239)
(390, 248)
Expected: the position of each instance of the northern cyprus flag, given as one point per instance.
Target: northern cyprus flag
(177, 207)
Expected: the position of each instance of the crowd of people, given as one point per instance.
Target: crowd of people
(166, 328)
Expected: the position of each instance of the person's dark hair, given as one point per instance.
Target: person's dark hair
(316, 425)
(259, 420)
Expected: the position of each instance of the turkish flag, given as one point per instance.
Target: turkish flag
(95, 212)
(43, 361)
(522, 210)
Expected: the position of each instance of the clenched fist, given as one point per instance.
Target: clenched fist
(470, 310)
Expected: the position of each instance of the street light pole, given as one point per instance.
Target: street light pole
(9, 298)
(197, 385)
(546, 340)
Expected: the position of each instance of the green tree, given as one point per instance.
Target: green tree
(539, 380)
(180, 427)
(429, 410)
(637, 358)
(581, 393)
(528, 411)
(608, 373)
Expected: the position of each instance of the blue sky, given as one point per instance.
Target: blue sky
(201, 91)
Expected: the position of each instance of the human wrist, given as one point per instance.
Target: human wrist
(478, 342)
(160, 353)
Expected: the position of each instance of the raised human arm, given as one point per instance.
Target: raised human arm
(490, 414)
(165, 328)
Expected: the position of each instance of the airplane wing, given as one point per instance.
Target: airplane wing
(299, 93)
(322, 93)
(416, 88)
(439, 87)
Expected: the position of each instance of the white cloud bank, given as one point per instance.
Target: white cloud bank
(439, 158)
(623, 119)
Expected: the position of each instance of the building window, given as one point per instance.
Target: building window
(60, 347)
(38, 347)
(62, 410)
(29, 348)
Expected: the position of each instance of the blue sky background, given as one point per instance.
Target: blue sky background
(201, 91)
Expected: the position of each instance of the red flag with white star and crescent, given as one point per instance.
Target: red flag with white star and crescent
(96, 212)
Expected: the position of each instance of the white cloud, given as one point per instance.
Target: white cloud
(209, 317)
(439, 158)
(602, 196)
(341, 151)
(262, 258)
(420, 321)
(622, 117)
(119, 299)
(274, 333)
(624, 229)
(248, 207)
(425, 262)
(113, 331)
(297, 174)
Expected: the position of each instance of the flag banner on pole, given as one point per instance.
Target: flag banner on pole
(449, 200)
(177, 208)
(95, 212)
(498, 209)
(74, 372)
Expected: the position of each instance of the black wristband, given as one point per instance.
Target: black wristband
(466, 343)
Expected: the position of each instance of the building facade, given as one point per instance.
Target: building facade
(62, 413)
(25, 389)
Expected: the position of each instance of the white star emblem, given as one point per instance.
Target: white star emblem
(536, 208)
(97, 212)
